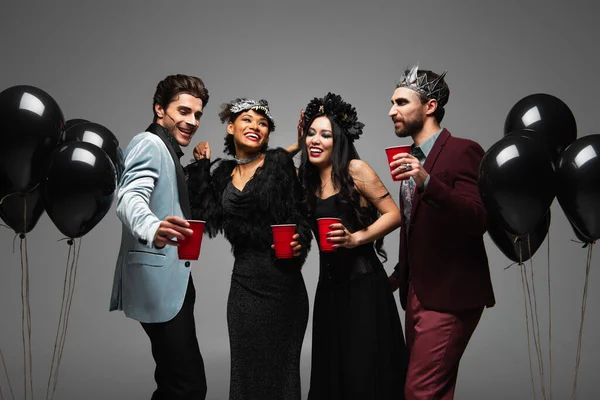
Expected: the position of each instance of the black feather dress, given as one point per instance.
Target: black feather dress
(267, 310)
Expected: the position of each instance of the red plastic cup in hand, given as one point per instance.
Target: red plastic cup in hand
(391, 152)
(283, 236)
(189, 248)
(324, 229)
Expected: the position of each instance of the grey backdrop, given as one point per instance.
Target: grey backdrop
(102, 60)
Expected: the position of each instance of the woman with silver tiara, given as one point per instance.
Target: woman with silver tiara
(358, 349)
(267, 309)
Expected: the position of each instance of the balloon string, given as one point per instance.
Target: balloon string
(71, 288)
(583, 306)
(23, 327)
(549, 316)
(7, 196)
(523, 278)
(69, 302)
(60, 321)
(21, 193)
(73, 274)
(580, 242)
(7, 377)
(28, 297)
(519, 263)
(534, 317)
(534, 335)
(26, 320)
(585, 244)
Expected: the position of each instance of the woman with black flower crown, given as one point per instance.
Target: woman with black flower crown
(267, 309)
(358, 349)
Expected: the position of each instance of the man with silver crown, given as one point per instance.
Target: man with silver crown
(442, 271)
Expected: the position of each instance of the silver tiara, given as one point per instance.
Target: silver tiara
(244, 104)
(436, 89)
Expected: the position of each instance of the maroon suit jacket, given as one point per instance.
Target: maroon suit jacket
(444, 255)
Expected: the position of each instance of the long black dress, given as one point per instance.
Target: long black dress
(267, 309)
(358, 349)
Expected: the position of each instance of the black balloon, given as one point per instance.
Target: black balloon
(100, 136)
(548, 120)
(578, 186)
(32, 125)
(517, 248)
(78, 187)
(582, 238)
(516, 182)
(72, 122)
(21, 211)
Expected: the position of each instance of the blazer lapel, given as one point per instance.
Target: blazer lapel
(439, 144)
(436, 149)
(184, 199)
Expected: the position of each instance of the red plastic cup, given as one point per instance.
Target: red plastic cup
(189, 248)
(283, 235)
(323, 223)
(391, 152)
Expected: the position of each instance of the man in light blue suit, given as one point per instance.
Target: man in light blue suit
(151, 284)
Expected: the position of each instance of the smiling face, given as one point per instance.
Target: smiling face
(319, 142)
(181, 118)
(250, 132)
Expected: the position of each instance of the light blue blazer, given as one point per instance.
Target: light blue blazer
(149, 283)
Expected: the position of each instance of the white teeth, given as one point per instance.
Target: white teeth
(252, 136)
(316, 152)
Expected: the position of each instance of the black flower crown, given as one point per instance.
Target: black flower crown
(343, 113)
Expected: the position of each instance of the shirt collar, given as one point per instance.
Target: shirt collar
(170, 138)
(427, 145)
(175, 145)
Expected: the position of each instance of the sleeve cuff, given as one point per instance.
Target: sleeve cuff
(148, 241)
(425, 184)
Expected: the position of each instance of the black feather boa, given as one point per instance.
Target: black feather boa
(275, 196)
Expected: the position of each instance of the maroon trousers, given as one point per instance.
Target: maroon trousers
(436, 341)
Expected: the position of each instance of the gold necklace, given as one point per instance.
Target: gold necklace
(325, 184)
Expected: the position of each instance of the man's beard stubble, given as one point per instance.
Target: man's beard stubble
(410, 128)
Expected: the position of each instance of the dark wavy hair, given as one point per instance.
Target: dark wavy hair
(226, 116)
(343, 152)
(440, 111)
(173, 85)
